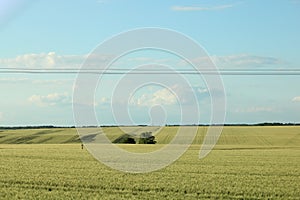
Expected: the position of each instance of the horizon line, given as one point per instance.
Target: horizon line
(153, 125)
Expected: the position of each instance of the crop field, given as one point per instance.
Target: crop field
(247, 163)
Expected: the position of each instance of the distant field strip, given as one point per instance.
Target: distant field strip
(39, 136)
(246, 136)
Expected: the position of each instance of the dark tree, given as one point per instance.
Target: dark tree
(124, 139)
(147, 138)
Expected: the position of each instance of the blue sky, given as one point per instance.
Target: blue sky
(236, 34)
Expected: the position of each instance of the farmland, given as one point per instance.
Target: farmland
(247, 163)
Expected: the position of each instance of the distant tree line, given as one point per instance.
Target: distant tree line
(167, 125)
(241, 124)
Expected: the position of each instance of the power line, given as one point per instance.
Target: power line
(153, 69)
(139, 71)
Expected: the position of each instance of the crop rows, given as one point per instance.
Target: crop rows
(247, 163)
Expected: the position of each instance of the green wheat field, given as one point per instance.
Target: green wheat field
(251, 162)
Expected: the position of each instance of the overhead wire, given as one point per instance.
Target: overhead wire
(141, 71)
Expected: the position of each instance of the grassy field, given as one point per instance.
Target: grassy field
(247, 163)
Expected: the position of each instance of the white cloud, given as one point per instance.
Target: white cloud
(142, 59)
(1, 116)
(254, 110)
(53, 82)
(43, 60)
(190, 95)
(177, 94)
(52, 60)
(50, 99)
(160, 97)
(202, 90)
(245, 60)
(201, 8)
(104, 101)
(13, 80)
(238, 61)
(148, 60)
(296, 99)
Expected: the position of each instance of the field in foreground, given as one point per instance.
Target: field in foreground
(247, 163)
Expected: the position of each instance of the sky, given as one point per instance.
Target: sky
(240, 35)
